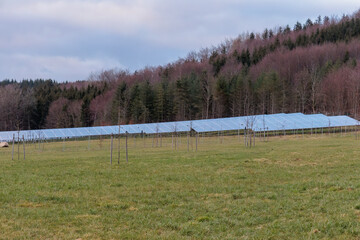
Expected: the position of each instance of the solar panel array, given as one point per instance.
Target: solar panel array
(271, 122)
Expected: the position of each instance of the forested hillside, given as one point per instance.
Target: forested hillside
(310, 68)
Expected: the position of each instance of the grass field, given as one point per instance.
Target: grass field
(287, 188)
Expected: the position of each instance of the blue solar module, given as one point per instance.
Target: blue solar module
(271, 122)
(338, 121)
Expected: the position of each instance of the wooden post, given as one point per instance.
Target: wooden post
(126, 146)
(23, 139)
(254, 137)
(89, 143)
(245, 138)
(118, 148)
(63, 144)
(18, 141)
(250, 135)
(160, 140)
(187, 141)
(157, 139)
(13, 145)
(248, 138)
(172, 141)
(197, 134)
(119, 132)
(143, 136)
(111, 148)
(191, 143)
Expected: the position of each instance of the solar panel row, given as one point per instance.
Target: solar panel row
(272, 122)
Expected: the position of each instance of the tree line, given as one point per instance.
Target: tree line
(310, 68)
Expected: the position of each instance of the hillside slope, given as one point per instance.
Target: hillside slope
(310, 68)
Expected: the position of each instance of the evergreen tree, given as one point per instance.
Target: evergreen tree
(297, 26)
(119, 105)
(85, 113)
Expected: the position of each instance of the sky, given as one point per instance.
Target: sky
(68, 40)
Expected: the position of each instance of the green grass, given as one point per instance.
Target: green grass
(287, 188)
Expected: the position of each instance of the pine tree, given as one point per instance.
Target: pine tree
(85, 113)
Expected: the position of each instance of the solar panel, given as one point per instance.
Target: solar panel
(270, 122)
(338, 121)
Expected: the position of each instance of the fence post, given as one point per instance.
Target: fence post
(126, 145)
(197, 134)
(143, 136)
(119, 148)
(111, 148)
(18, 141)
(254, 137)
(187, 141)
(13, 145)
(245, 138)
(23, 146)
(160, 140)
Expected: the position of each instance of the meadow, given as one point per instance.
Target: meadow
(290, 187)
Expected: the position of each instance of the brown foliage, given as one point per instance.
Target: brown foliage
(100, 109)
(64, 113)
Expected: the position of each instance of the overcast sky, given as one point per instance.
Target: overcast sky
(70, 39)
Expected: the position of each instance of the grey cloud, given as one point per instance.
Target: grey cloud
(69, 39)
(20, 67)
